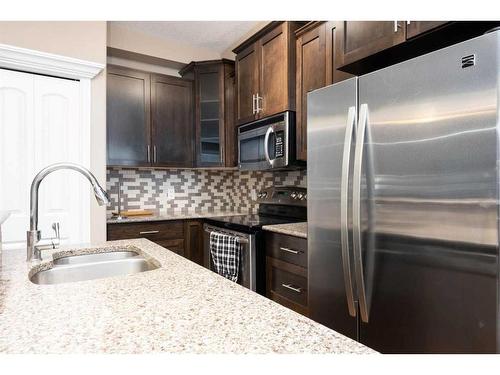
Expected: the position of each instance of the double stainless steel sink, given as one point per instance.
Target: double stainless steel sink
(93, 266)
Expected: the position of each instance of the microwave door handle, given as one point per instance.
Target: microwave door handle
(266, 145)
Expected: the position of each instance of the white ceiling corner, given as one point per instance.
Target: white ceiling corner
(216, 36)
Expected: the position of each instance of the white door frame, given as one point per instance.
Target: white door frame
(33, 61)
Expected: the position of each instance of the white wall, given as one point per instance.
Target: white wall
(127, 39)
(84, 40)
(135, 41)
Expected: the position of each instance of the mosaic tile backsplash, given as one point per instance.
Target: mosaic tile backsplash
(189, 190)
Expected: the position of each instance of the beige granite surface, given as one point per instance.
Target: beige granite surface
(292, 229)
(161, 216)
(178, 308)
(4, 215)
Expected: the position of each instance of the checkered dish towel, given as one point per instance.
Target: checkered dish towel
(225, 250)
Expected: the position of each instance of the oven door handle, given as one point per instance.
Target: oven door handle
(243, 240)
(266, 146)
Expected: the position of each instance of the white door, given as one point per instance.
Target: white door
(40, 124)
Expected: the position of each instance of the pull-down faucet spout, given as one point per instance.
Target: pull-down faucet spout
(34, 241)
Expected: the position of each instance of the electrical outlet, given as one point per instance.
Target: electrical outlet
(170, 193)
(253, 195)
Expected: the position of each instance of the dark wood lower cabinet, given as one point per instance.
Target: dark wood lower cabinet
(154, 230)
(194, 241)
(286, 284)
(177, 246)
(183, 237)
(286, 271)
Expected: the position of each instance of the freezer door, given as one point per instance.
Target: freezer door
(331, 120)
(430, 236)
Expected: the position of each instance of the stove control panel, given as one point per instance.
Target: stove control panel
(288, 195)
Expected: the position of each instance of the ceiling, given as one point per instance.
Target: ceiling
(217, 36)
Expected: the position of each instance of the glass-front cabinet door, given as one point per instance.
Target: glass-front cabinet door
(215, 143)
(209, 128)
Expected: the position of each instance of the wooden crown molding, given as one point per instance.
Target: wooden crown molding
(33, 61)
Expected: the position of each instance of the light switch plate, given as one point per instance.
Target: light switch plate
(253, 195)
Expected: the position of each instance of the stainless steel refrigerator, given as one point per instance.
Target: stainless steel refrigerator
(403, 216)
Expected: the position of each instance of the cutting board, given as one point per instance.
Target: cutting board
(135, 213)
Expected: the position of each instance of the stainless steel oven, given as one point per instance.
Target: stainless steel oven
(247, 274)
(268, 143)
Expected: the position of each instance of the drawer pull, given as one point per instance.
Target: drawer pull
(291, 287)
(290, 250)
(150, 232)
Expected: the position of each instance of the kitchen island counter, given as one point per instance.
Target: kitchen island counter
(291, 229)
(180, 307)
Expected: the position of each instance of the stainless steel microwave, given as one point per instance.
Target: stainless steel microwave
(268, 143)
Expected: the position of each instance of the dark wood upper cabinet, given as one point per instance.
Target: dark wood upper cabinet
(128, 117)
(171, 115)
(367, 46)
(149, 119)
(311, 74)
(365, 38)
(317, 52)
(415, 28)
(334, 45)
(231, 150)
(265, 72)
(277, 65)
(215, 137)
(247, 83)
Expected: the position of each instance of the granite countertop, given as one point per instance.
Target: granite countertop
(180, 307)
(161, 216)
(292, 229)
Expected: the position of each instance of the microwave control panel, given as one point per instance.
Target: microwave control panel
(279, 151)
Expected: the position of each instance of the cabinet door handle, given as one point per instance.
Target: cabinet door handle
(253, 104)
(149, 232)
(396, 26)
(290, 250)
(155, 159)
(257, 98)
(291, 287)
(149, 153)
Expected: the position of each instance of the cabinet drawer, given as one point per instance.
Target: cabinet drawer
(177, 246)
(153, 231)
(287, 284)
(287, 248)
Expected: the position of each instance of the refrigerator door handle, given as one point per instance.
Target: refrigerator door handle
(344, 202)
(356, 212)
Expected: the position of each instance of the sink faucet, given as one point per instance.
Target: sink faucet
(35, 242)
